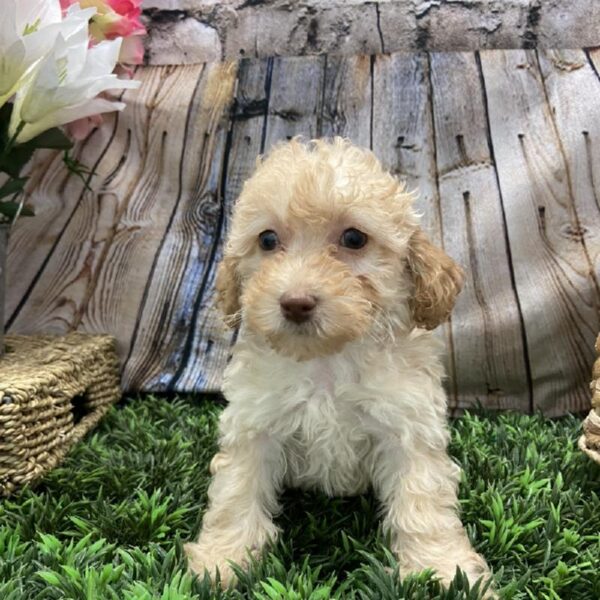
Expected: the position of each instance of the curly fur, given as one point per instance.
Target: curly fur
(438, 280)
(352, 398)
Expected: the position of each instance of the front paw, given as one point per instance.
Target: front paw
(201, 561)
(472, 564)
(475, 568)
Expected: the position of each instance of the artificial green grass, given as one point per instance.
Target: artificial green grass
(109, 523)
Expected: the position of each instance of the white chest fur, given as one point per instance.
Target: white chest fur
(321, 412)
(329, 445)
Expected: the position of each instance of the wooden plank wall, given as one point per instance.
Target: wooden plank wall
(502, 146)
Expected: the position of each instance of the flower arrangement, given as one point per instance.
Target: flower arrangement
(58, 61)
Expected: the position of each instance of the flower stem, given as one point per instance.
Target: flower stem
(12, 141)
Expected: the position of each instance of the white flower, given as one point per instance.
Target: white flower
(28, 29)
(65, 84)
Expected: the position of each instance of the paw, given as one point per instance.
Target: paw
(474, 566)
(201, 561)
(471, 563)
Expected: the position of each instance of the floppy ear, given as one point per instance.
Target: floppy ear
(228, 290)
(438, 280)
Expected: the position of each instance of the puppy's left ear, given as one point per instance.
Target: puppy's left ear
(228, 290)
(437, 278)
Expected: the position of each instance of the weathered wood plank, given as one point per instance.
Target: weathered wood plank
(572, 87)
(490, 360)
(593, 55)
(346, 109)
(296, 97)
(68, 255)
(53, 195)
(212, 340)
(403, 131)
(161, 346)
(552, 272)
(403, 139)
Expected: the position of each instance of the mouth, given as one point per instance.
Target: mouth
(304, 329)
(308, 340)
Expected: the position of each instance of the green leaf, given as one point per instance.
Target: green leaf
(271, 591)
(14, 159)
(126, 557)
(49, 577)
(54, 139)
(49, 543)
(17, 158)
(12, 186)
(5, 112)
(81, 524)
(71, 572)
(277, 586)
(321, 593)
(10, 209)
(78, 169)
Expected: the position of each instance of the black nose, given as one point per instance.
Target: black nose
(297, 308)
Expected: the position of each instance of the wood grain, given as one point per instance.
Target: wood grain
(210, 340)
(176, 292)
(403, 139)
(554, 281)
(75, 226)
(54, 195)
(491, 366)
(572, 87)
(346, 108)
(402, 135)
(296, 98)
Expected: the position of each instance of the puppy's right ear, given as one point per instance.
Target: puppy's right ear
(228, 290)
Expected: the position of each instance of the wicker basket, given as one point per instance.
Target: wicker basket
(52, 391)
(589, 442)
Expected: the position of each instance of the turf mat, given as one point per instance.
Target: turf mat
(110, 522)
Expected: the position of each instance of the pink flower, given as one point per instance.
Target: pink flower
(116, 18)
(80, 129)
(113, 18)
(132, 50)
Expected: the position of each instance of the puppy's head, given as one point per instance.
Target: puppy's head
(325, 248)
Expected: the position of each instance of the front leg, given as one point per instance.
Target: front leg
(417, 483)
(242, 498)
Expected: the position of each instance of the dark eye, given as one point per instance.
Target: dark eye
(353, 239)
(268, 240)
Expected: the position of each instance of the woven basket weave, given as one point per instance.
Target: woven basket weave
(589, 442)
(52, 391)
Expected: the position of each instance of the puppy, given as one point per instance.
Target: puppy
(335, 381)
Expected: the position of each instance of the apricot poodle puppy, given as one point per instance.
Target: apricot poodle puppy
(335, 381)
